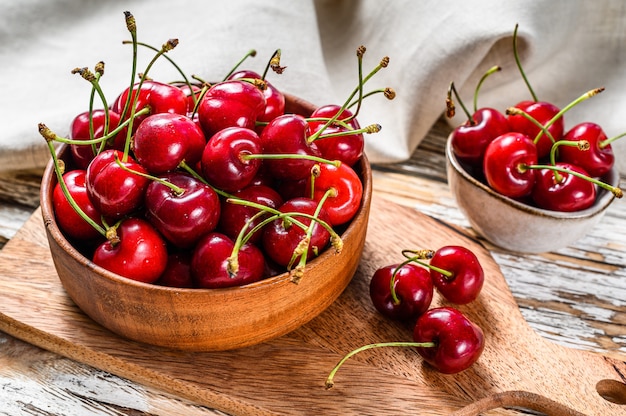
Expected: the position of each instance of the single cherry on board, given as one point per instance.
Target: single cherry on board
(407, 297)
(459, 342)
(444, 337)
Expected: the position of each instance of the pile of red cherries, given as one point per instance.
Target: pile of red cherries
(208, 185)
(527, 155)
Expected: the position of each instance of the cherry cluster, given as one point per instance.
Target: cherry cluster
(198, 184)
(443, 336)
(526, 154)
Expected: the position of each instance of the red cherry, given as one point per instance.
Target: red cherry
(347, 149)
(281, 237)
(235, 217)
(80, 130)
(598, 160)
(504, 164)
(66, 216)
(158, 96)
(543, 112)
(458, 341)
(562, 191)
(230, 104)
(115, 191)
(209, 263)
(177, 272)
(457, 274)
(183, 218)
(140, 254)
(344, 189)
(470, 139)
(163, 141)
(413, 289)
(288, 134)
(274, 99)
(224, 163)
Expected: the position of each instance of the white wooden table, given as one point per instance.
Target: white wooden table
(575, 297)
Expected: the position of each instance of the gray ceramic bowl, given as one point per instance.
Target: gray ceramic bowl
(515, 226)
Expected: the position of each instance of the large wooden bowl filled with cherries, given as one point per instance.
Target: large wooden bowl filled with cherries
(231, 213)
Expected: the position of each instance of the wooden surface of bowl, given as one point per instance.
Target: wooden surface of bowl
(205, 319)
(516, 226)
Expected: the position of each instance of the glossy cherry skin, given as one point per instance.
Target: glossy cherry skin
(182, 219)
(80, 130)
(569, 194)
(69, 221)
(235, 217)
(598, 160)
(114, 191)
(162, 141)
(543, 112)
(467, 278)
(158, 96)
(346, 191)
(177, 272)
(141, 253)
(459, 341)
(504, 161)
(412, 285)
(274, 99)
(347, 149)
(280, 237)
(223, 158)
(288, 134)
(209, 263)
(470, 139)
(231, 103)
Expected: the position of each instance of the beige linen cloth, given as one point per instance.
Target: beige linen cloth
(567, 48)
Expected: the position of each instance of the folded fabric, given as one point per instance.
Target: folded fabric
(567, 48)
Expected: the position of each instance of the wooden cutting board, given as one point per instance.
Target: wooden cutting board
(286, 376)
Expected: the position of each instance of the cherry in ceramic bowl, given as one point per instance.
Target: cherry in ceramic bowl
(206, 319)
(514, 225)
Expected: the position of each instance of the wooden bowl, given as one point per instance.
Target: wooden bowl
(206, 319)
(516, 226)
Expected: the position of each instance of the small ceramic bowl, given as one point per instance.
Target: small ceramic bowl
(206, 319)
(516, 226)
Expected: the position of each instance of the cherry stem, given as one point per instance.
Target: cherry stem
(248, 156)
(582, 145)
(177, 190)
(167, 46)
(382, 64)
(490, 71)
(132, 29)
(421, 254)
(371, 129)
(250, 53)
(274, 64)
(605, 143)
(450, 107)
(519, 64)
(388, 92)
(613, 189)
(176, 66)
(330, 379)
(519, 112)
(585, 96)
(59, 168)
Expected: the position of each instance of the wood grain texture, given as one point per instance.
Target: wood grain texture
(286, 376)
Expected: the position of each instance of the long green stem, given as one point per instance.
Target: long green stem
(330, 379)
(519, 64)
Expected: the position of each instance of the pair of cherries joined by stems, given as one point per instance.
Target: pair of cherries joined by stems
(443, 336)
(525, 153)
(197, 184)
